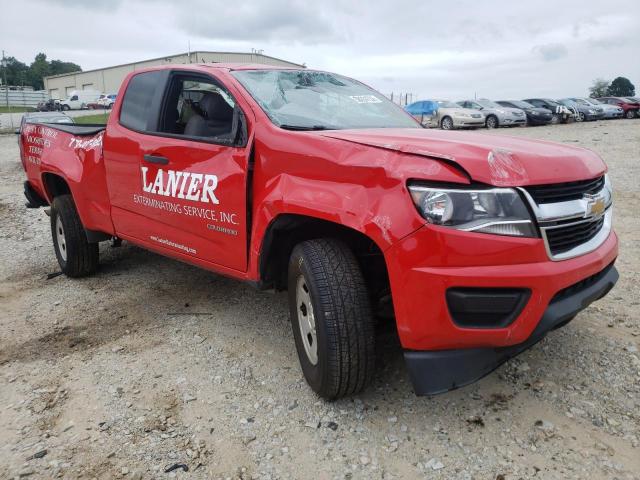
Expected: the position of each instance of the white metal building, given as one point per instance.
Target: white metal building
(108, 79)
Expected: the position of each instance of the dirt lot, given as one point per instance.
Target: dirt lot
(153, 363)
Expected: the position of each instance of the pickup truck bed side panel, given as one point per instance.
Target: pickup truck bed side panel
(78, 160)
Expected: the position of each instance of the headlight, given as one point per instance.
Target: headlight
(500, 211)
(591, 111)
(534, 112)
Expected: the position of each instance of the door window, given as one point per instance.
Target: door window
(137, 105)
(199, 108)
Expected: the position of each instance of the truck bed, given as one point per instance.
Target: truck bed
(78, 130)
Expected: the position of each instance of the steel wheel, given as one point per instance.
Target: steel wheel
(306, 321)
(61, 239)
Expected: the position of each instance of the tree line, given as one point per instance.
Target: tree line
(21, 74)
(619, 87)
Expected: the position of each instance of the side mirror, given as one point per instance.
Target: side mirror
(17, 132)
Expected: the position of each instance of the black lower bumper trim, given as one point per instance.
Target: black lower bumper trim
(33, 199)
(439, 371)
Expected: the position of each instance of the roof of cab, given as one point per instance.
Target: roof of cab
(216, 66)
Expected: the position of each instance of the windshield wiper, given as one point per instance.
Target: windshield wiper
(305, 127)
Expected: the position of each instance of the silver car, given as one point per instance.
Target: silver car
(495, 114)
(451, 115)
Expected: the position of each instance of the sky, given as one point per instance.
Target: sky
(455, 49)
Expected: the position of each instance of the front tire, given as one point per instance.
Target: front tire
(630, 114)
(492, 122)
(76, 256)
(446, 124)
(331, 318)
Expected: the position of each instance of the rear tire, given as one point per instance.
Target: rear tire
(555, 119)
(331, 318)
(76, 256)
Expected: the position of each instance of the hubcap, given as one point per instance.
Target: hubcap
(446, 124)
(306, 320)
(60, 238)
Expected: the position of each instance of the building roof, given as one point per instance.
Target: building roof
(236, 65)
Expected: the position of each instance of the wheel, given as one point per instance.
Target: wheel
(65, 108)
(630, 114)
(581, 117)
(447, 123)
(90, 107)
(83, 106)
(331, 318)
(76, 256)
(555, 119)
(492, 121)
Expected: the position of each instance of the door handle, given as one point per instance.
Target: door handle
(156, 159)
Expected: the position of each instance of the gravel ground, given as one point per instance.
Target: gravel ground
(153, 363)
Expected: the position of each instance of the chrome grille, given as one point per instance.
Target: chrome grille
(563, 238)
(561, 192)
(574, 218)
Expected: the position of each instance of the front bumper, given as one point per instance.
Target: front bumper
(425, 265)
(463, 122)
(440, 371)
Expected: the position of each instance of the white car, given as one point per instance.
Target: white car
(107, 100)
(79, 99)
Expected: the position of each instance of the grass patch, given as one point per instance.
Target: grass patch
(5, 109)
(97, 118)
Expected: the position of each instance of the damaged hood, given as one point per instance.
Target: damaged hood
(493, 159)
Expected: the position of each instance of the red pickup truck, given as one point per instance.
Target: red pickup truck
(292, 179)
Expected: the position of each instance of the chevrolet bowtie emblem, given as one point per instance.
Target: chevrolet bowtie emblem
(595, 205)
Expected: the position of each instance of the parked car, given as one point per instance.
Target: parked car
(79, 99)
(496, 115)
(477, 245)
(535, 115)
(44, 117)
(608, 111)
(629, 108)
(449, 116)
(561, 114)
(424, 111)
(52, 105)
(583, 112)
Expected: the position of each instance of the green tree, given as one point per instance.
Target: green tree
(16, 71)
(38, 69)
(599, 88)
(57, 67)
(621, 87)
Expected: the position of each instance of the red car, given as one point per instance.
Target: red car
(630, 108)
(311, 182)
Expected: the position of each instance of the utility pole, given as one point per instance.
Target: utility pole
(6, 86)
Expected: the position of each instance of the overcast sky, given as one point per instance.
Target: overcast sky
(446, 49)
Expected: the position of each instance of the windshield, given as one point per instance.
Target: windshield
(551, 102)
(582, 101)
(488, 104)
(447, 104)
(303, 99)
(595, 101)
(567, 102)
(521, 104)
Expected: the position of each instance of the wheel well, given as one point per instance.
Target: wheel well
(286, 231)
(55, 185)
